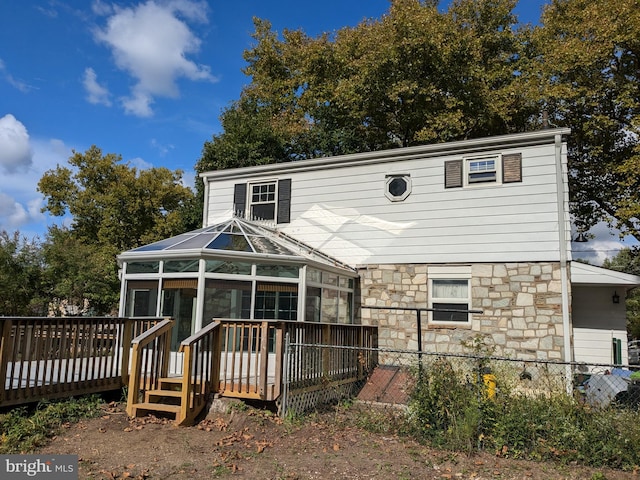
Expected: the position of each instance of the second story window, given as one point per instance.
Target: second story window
(265, 200)
(262, 201)
(481, 170)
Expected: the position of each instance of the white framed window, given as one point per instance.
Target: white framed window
(482, 170)
(449, 295)
(262, 200)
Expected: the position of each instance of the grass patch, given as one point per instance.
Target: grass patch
(25, 429)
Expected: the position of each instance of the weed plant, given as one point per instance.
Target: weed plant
(451, 407)
(24, 429)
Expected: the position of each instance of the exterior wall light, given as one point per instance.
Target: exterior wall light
(615, 298)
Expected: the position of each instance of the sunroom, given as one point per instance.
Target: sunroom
(236, 269)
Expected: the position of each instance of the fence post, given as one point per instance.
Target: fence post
(5, 354)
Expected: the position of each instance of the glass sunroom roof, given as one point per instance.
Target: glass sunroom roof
(234, 236)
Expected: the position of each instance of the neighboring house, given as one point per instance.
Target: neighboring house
(477, 225)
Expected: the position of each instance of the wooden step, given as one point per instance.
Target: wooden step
(157, 407)
(164, 393)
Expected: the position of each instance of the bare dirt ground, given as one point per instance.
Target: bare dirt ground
(255, 444)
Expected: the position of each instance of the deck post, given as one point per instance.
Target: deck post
(326, 352)
(127, 334)
(134, 380)
(216, 351)
(264, 359)
(280, 351)
(5, 354)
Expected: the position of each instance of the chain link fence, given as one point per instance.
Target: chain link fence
(394, 379)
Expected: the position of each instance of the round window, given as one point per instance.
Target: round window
(397, 187)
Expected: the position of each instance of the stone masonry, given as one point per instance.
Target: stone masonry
(521, 304)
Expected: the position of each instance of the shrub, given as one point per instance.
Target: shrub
(24, 430)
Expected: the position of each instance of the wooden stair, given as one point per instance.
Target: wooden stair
(168, 399)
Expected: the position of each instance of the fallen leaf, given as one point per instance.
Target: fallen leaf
(336, 447)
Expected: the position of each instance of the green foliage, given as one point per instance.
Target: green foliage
(22, 289)
(115, 207)
(449, 409)
(587, 60)
(24, 430)
(416, 75)
(446, 406)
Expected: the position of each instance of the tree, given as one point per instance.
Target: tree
(587, 67)
(114, 207)
(417, 75)
(21, 286)
(81, 278)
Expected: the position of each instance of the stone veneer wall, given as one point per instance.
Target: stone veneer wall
(521, 304)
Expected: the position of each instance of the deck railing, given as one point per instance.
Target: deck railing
(251, 358)
(253, 353)
(201, 372)
(149, 361)
(55, 357)
(319, 367)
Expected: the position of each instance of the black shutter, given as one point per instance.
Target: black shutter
(239, 199)
(453, 173)
(284, 201)
(512, 168)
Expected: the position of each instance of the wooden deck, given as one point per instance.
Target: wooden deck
(48, 358)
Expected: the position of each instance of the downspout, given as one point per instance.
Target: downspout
(564, 260)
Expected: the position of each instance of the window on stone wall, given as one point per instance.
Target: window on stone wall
(449, 295)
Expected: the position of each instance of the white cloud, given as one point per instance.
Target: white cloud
(163, 149)
(12, 213)
(20, 202)
(15, 151)
(96, 93)
(140, 163)
(18, 84)
(151, 42)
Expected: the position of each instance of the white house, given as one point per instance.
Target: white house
(479, 225)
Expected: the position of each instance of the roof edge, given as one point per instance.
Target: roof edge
(585, 274)
(537, 137)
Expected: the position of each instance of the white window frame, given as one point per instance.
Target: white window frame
(468, 161)
(462, 272)
(251, 203)
(391, 178)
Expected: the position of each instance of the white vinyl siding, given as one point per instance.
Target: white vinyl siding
(343, 210)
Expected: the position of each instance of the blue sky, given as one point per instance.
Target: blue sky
(145, 80)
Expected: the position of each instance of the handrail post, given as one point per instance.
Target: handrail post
(187, 384)
(127, 336)
(5, 354)
(134, 380)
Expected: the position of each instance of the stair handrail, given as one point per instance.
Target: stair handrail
(159, 359)
(201, 369)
